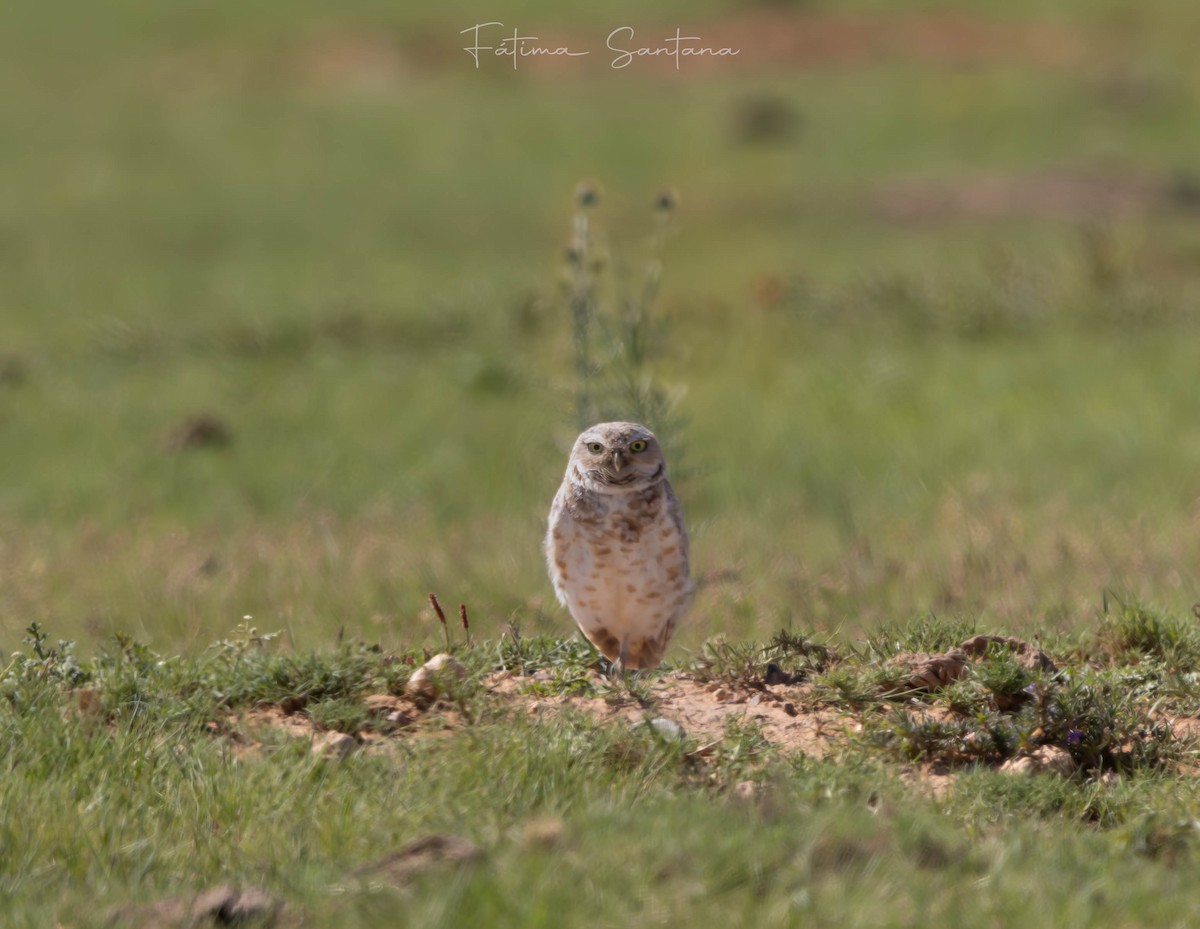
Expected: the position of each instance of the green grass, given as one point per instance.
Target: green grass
(324, 229)
(951, 415)
(139, 791)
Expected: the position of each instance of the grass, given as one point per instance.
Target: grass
(133, 793)
(323, 233)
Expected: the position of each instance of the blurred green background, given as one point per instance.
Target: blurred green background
(282, 327)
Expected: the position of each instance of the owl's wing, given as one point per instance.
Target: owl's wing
(675, 513)
(556, 540)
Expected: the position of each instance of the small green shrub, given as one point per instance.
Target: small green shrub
(1135, 632)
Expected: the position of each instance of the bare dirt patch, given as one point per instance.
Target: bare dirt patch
(789, 717)
(896, 705)
(1047, 195)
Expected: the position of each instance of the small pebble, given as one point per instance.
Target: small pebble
(429, 681)
(666, 728)
(1049, 759)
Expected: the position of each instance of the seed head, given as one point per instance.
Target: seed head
(437, 608)
(586, 194)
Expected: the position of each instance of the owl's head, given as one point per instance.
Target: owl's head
(618, 457)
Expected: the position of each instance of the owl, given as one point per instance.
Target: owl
(616, 546)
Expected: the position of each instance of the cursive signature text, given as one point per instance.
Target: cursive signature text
(518, 47)
(677, 47)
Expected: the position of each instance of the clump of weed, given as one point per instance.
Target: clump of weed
(243, 640)
(133, 681)
(798, 652)
(242, 670)
(36, 675)
(1104, 726)
(1133, 633)
(310, 678)
(616, 335)
(1005, 679)
(1010, 701)
(916, 735)
(41, 668)
(729, 662)
(527, 656)
(789, 657)
(551, 666)
(925, 634)
(859, 686)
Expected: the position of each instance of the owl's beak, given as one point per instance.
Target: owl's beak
(618, 461)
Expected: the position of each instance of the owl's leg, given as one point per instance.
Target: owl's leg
(621, 665)
(629, 679)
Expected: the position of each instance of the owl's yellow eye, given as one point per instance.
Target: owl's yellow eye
(638, 445)
(595, 447)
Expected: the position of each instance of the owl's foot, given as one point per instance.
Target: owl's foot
(631, 680)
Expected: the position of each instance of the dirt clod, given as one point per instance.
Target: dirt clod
(202, 431)
(932, 672)
(221, 906)
(775, 676)
(765, 119)
(1028, 655)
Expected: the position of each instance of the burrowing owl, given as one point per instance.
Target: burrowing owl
(616, 547)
